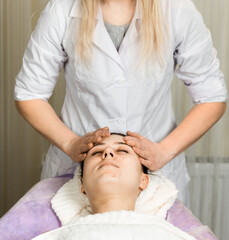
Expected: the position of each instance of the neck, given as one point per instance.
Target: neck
(117, 4)
(129, 2)
(110, 203)
(118, 12)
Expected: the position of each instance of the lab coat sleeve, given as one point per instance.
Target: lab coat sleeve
(195, 55)
(44, 56)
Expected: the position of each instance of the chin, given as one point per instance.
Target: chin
(109, 176)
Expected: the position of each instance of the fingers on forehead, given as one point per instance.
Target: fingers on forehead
(100, 132)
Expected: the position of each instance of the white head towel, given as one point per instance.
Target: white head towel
(69, 203)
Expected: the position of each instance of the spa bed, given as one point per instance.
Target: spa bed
(32, 214)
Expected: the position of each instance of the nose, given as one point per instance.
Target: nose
(108, 153)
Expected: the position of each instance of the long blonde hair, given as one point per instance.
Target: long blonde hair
(153, 30)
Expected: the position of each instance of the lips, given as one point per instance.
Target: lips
(108, 164)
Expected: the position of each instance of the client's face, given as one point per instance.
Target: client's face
(112, 167)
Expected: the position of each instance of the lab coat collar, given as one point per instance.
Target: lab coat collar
(101, 37)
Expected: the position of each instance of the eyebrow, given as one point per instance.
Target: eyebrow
(97, 144)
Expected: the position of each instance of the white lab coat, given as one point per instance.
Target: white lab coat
(111, 93)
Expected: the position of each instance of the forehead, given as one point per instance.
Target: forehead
(112, 139)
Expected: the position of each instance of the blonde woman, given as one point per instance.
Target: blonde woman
(119, 58)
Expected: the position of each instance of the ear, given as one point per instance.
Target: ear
(144, 181)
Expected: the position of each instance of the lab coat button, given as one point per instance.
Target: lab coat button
(120, 81)
(120, 121)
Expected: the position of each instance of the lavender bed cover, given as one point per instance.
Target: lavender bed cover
(32, 214)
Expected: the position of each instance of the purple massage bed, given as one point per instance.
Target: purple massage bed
(32, 214)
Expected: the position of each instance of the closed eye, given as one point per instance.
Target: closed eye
(123, 151)
(102, 152)
(96, 153)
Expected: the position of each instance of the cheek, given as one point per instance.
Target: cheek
(131, 167)
(90, 162)
(88, 166)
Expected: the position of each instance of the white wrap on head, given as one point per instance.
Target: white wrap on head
(69, 203)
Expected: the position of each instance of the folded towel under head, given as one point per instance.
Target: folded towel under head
(69, 203)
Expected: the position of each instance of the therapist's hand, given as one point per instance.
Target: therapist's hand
(152, 155)
(81, 145)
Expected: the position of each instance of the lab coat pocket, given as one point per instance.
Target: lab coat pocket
(85, 80)
(98, 88)
(93, 84)
(85, 84)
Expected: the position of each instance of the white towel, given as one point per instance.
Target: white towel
(69, 203)
(117, 225)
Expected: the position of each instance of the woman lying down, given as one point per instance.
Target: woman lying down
(112, 197)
